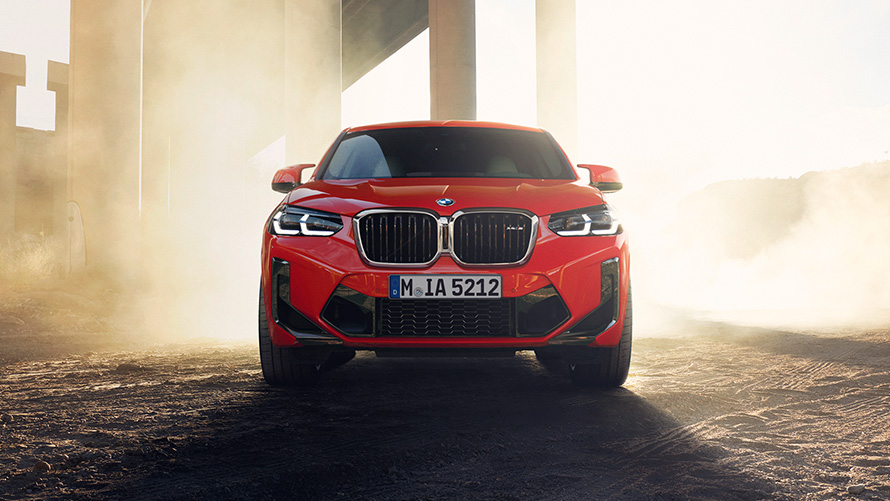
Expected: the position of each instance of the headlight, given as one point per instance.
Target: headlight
(291, 221)
(599, 220)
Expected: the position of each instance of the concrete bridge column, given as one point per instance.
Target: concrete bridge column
(104, 120)
(452, 59)
(557, 72)
(57, 81)
(12, 73)
(312, 78)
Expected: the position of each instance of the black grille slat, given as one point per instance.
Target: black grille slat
(446, 317)
(490, 237)
(399, 238)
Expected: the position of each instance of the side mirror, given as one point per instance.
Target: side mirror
(603, 178)
(289, 178)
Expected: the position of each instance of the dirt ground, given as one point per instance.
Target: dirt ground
(711, 410)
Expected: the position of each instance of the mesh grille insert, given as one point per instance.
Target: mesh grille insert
(446, 317)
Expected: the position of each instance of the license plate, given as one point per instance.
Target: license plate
(444, 286)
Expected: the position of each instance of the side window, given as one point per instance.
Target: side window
(358, 157)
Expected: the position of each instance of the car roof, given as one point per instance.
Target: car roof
(442, 123)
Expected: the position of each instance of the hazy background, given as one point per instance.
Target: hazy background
(677, 96)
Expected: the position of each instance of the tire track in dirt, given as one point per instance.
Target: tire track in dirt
(862, 408)
(809, 390)
(698, 420)
(868, 409)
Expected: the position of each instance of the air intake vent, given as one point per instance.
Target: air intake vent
(492, 237)
(446, 317)
(410, 238)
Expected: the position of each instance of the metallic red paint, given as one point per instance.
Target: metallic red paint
(537, 195)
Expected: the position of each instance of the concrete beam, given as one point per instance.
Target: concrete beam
(557, 71)
(12, 74)
(12, 65)
(452, 59)
(312, 77)
(373, 30)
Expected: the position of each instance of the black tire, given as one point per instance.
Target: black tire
(281, 366)
(613, 372)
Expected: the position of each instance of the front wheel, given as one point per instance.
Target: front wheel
(281, 367)
(613, 371)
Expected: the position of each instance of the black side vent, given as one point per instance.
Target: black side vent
(604, 316)
(283, 313)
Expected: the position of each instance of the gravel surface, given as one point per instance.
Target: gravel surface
(710, 411)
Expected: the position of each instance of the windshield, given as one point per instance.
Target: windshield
(447, 152)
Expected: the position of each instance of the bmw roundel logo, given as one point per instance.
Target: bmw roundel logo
(445, 202)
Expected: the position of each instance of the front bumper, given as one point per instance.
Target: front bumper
(571, 292)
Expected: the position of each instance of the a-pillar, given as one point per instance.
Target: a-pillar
(104, 129)
(312, 78)
(557, 71)
(12, 73)
(452, 59)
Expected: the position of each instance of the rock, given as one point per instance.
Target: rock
(856, 489)
(41, 467)
(6, 418)
(128, 368)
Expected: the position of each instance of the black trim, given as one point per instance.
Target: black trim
(539, 312)
(351, 312)
(284, 187)
(573, 354)
(535, 314)
(446, 352)
(607, 186)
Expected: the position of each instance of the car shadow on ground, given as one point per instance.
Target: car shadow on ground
(439, 428)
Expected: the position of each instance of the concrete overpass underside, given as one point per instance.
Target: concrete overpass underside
(170, 101)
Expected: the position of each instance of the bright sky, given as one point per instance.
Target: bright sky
(39, 30)
(769, 88)
(699, 89)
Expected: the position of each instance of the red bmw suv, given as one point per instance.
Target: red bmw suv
(448, 238)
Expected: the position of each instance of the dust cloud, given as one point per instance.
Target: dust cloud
(805, 251)
(816, 245)
(173, 244)
(214, 127)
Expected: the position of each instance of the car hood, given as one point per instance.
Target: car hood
(349, 197)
